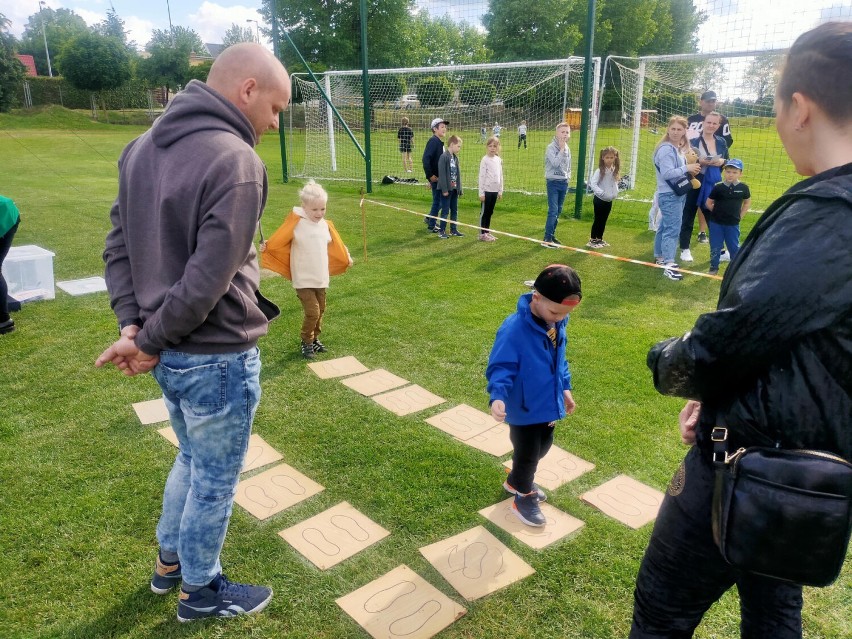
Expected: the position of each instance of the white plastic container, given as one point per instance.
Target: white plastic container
(29, 273)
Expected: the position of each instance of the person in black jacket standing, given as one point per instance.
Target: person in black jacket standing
(773, 363)
(431, 154)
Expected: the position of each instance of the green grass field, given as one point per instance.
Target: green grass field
(83, 479)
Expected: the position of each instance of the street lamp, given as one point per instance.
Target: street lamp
(41, 5)
(256, 27)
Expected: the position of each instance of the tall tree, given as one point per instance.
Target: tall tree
(524, 30)
(762, 76)
(328, 34)
(182, 38)
(167, 64)
(60, 25)
(236, 34)
(93, 62)
(113, 27)
(11, 69)
(437, 41)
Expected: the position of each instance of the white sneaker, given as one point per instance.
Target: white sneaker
(686, 255)
(725, 257)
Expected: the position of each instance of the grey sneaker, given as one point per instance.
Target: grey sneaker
(222, 598)
(308, 350)
(526, 509)
(166, 576)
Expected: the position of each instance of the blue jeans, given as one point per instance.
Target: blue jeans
(449, 205)
(727, 234)
(436, 206)
(556, 190)
(683, 573)
(212, 400)
(671, 208)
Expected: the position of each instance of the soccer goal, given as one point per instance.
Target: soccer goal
(478, 100)
(639, 95)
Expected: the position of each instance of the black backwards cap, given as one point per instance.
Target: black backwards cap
(558, 282)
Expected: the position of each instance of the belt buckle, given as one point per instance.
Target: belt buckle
(719, 434)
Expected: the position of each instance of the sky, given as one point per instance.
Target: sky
(731, 24)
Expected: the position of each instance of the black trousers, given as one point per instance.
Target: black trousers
(531, 443)
(602, 211)
(486, 210)
(5, 245)
(690, 209)
(683, 573)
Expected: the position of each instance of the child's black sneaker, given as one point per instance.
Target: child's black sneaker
(713, 271)
(308, 350)
(443, 235)
(702, 238)
(536, 489)
(526, 509)
(7, 327)
(456, 234)
(222, 598)
(166, 576)
(319, 347)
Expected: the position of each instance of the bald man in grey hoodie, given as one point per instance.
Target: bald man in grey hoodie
(183, 279)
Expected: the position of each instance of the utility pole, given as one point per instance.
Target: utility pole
(256, 28)
(41, 5)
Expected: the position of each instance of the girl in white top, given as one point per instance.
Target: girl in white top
(604, 184)
(490, 186)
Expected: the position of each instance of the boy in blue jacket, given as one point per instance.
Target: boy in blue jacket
(529, 383)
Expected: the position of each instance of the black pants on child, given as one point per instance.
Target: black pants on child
(602, 210)
(690, 210)
(531, 443)
(486, 210)
(5, 245)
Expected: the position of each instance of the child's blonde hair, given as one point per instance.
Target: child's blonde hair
(404, 121)
(312, 192)
(610, 150)
(493, 139)
(563, 125)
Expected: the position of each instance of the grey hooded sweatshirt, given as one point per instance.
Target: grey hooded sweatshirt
(180, 256)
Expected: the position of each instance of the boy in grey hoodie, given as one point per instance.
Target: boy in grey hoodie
(557, 173)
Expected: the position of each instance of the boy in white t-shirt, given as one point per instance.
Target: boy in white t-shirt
(309, 264)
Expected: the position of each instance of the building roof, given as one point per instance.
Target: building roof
(29, 62)
(214, 49)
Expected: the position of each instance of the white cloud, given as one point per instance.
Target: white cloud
(139, 30)
(211, 20)
(18, 11)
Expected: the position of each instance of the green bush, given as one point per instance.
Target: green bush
(434, 91)
(477, 92)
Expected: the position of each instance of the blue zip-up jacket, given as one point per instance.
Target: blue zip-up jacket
(431, 154)
(525, 371)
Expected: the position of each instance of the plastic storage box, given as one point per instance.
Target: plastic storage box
(29, 273)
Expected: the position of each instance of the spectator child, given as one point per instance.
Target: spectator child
(726, 206)
(483, 133)
(431, 154)
(490, 186)
(522, 133)
(307, 249)
(450, 186)
(496, 130)
(604, 184)
(529, 384)
(557, 173)
(405, 135)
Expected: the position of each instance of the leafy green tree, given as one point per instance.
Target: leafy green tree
(440, 41)
(677, 28)
(386, 88)
(113, 27)
(165, 67)
(92, 62)
(236, 34)
(477, 92)
(11, 70)
(523, 30)
(60, 26)
(762, 76)
(182, 38)
(199, 71)
(434, 91)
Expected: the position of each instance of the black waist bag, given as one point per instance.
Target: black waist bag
(785, 514)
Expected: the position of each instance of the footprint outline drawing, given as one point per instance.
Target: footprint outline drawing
(354, 525)
(324, 539)
(406, 585)
(280, 480)
(424, 621)
(257, 500)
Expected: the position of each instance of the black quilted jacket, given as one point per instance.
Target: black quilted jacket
(774, 360)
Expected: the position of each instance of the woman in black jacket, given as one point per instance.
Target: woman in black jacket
(773, 363)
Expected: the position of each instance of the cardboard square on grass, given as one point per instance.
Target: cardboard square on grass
(401, 604)
(259, 454)
(463, 422)
(558, 467)
(339, 367)
(627, 500)
(374, 382)
(333, 535)
(494, 441)
(83, 287)
(153, 411)
(169, 433)
(559, 524)
(275, 490)
(476, 563)
(410, 399)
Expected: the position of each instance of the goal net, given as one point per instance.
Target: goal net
(478, 101)
(641, 94)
